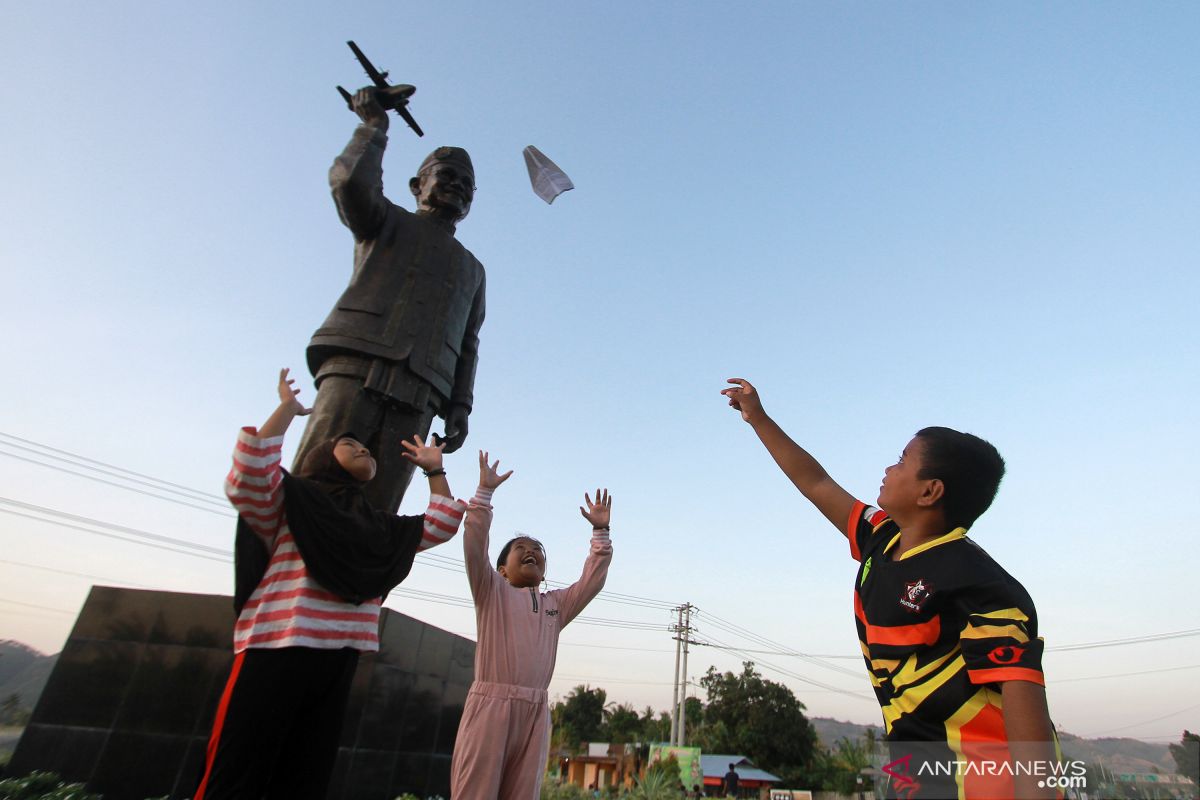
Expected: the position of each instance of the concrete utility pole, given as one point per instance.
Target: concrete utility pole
(687, 636)
(676, 628)
(683, 634)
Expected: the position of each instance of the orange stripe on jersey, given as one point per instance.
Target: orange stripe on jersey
(920, 633)
(852, 528)
(1002, 674)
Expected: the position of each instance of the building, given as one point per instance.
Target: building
(752, 781)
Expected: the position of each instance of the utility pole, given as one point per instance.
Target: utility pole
(687, 636)
(676, 628)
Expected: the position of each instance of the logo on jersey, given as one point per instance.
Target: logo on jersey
(901, 773)
(916, 594)
(1006, 655)
(866, 571)
(551, 612)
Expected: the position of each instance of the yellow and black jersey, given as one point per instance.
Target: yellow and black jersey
(940, 627)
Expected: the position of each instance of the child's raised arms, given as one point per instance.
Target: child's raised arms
(599, 512)
(289, 408)
(489, 476)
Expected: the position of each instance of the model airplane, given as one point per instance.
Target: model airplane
(392, 98)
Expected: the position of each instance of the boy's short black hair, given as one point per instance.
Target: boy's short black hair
(969, 468)
(500, 559)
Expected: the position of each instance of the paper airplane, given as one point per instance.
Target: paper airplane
(548, 180)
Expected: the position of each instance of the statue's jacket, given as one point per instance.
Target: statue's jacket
(416, 296)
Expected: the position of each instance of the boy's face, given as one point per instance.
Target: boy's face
(355, 458)
(901, 488)
(525, 565)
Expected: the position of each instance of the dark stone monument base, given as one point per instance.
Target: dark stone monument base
(130, 704)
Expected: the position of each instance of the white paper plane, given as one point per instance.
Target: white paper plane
(548, 180)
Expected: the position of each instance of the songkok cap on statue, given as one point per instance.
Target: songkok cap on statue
(451, 155)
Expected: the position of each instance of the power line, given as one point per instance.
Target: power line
(1146, 722)
(33, 605)
(73, 574)
(46, 451)
(1152, 637)
(153, 544)
(1125, 674)
(210, 509)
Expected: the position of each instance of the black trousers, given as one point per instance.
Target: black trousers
(278, 725)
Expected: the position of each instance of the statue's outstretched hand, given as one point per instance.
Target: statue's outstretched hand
(367, 106)
(456, 427)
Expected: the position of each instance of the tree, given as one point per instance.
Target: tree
(12, 712)
(1187, 755)
(748, 715)
(655, 729)
(580, 718)
(621, 725)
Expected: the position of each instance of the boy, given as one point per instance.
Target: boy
(504, 736)
(949, 638)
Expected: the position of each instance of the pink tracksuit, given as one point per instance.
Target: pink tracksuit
(504, 737)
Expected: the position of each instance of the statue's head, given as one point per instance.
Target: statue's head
(445, 184)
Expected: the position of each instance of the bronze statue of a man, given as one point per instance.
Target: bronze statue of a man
(402, 343)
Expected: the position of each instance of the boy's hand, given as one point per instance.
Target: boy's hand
(599, 512)
(426, 456)
(489, 477)
(288, 396)
(744, 397)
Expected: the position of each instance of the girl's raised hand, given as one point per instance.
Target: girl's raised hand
(599, 512)
(426, 456)
(288, 396)
(489, 477)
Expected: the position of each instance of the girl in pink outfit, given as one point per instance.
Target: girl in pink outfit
(504, 737)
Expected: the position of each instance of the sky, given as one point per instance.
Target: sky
(885, 215)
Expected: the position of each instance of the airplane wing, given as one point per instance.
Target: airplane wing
(372, 73)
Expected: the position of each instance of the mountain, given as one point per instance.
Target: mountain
(23, 672)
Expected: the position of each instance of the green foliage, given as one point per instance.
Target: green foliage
(621, 725)
(661, 782)
(652, 728)
(668, 766)
(757, 718)
(580, 718)
(1187, 755)
(43, 786)
(552, 790)
(408, 796)
(839, 769)
(12, 712)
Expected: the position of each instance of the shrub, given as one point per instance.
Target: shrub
(43, 786)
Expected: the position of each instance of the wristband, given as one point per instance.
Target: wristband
(430, 473)
(605, 528)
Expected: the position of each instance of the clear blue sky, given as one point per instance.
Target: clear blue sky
(886, 215)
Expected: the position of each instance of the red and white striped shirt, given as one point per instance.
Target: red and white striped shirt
(289, 608)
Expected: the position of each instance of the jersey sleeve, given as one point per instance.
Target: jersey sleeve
(864, 522)
(999, 641)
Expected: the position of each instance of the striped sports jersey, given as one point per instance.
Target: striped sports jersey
(940, 627)
(289, 608)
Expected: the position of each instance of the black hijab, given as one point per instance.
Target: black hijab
(349, 547)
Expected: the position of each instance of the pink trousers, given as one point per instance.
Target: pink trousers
(502, 745)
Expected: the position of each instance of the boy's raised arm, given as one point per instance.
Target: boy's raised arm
(801, 468)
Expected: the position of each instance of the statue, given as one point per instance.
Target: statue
(402, 343)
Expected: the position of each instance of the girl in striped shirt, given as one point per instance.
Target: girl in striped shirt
(314, 560)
